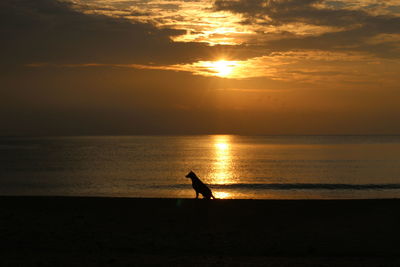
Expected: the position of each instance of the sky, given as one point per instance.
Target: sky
(274, 67)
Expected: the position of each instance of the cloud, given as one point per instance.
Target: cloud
(305, 11)
(281, 12)
(53, 31)
(355, 27)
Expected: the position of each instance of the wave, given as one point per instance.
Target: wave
(290, 186)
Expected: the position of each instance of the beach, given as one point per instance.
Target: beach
(92, 231)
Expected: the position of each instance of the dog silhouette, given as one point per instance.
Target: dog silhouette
(199, 186)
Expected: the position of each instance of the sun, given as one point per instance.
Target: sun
(223, 68)
(220, 68)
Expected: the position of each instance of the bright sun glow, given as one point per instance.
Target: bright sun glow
(223, 68)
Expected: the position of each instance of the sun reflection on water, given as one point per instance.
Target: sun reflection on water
(222, 169)
(222, 195)
(222, 146)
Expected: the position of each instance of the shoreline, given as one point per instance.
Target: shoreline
(104, 197)
(65, 231)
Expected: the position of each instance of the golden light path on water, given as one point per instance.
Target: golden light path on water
(222, 169)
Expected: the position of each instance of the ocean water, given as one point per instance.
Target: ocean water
(259, 167)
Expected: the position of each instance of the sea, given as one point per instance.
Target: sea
(233, 166)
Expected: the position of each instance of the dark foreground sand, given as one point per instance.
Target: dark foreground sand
(59, 231)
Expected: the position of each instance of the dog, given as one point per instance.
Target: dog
(199, 186)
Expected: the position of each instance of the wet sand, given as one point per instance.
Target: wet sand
(65, 231)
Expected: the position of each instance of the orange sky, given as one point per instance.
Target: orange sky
(200, 66)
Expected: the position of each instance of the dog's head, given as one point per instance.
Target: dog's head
(191, 175)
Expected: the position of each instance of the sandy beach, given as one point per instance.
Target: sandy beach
(65, 231)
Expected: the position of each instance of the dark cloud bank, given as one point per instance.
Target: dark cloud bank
(358, 25)
(52, 31)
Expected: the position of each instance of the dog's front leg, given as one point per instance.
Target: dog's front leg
(197, 195)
